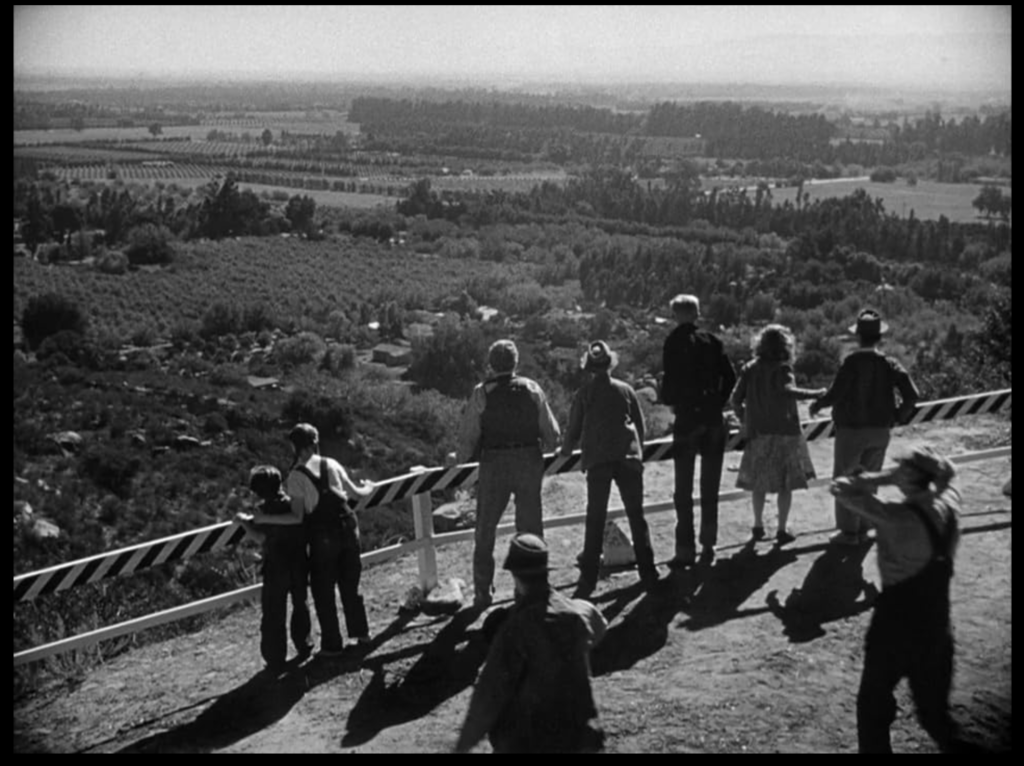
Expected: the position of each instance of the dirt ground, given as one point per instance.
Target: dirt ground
(760, 652)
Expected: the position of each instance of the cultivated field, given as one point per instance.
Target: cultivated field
(928, 199)
(326, 123)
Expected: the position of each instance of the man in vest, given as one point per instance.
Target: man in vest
(507, 425)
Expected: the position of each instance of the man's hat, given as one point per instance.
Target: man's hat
(303, 435)
(527, 553)
(926, 460)
(869, 324)
(599, 357)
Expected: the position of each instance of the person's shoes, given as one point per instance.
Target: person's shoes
(757, 533)
(330, 652)
(304, 654)
(482, 602)
(359, 646)
(864, 538)
(707, 554)
(584, 590)
(274, 668)
(683, 559)
(649, 579)
(844, 538)
(784, 537)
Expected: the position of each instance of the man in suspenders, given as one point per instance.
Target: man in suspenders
(910, 633)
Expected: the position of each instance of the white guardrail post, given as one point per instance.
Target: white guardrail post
(426, 556)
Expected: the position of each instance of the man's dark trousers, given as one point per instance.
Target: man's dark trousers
(708, 441)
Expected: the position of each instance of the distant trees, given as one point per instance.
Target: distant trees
(992, 202)
(48, 314)
(299, 212)
(267, 137)
(155, 129)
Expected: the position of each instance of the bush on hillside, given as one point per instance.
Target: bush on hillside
(48, 314)
(304, 348)
(328, 414)
(149, 244)
(69, 347)
(452, 360)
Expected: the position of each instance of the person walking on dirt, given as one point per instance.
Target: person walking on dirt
(606, 419)
(285, 568)
(864, 409)
(320, 488)
(776, 458)
(698, 379)
(507, 425)
(910, 633)
(534, 692)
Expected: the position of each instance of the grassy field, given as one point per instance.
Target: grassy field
(928, 199)
(293, 122)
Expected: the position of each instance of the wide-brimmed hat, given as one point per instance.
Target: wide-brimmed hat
(599, 356)
(930, 463)
(303, 435)
(869, 324)
(527, 553)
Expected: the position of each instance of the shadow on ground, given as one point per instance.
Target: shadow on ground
(446, 666)
(257, 704)
(833, 589)
(708, 595)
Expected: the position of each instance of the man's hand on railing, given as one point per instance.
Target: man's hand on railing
(451, 460)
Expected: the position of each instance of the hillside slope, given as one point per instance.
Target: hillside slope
(761, 652)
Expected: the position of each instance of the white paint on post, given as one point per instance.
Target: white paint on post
(423, 519)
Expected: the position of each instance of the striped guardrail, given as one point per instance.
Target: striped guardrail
(419, 483)
(424, 547)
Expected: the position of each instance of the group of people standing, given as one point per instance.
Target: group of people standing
(534, 693)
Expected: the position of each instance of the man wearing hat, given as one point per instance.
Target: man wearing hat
(698, 382)
(507, 425)
(320, 490)
(864, 408)
(910, 633)
(534, 693)
(607, 422)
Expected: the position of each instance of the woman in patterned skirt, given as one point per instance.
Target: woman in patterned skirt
(776, 459)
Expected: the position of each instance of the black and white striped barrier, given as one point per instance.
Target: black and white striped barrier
(188, 544)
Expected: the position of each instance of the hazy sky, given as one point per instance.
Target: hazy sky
(928, 46)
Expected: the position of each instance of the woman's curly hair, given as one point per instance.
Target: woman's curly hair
(775, 342)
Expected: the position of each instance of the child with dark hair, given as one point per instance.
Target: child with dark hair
(285, 568)
(776, 458)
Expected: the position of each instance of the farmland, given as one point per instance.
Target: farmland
(325, 123)
(928, 199)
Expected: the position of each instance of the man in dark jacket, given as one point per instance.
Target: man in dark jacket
(864, 409)
(534, 693)
(607, 420)
(698, 380)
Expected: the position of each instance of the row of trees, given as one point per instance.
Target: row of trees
(145, 224)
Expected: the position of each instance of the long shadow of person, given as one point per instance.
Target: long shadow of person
(442, 671)
(834, 588)
(644, 630)
(255, 705)
(730, 582)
